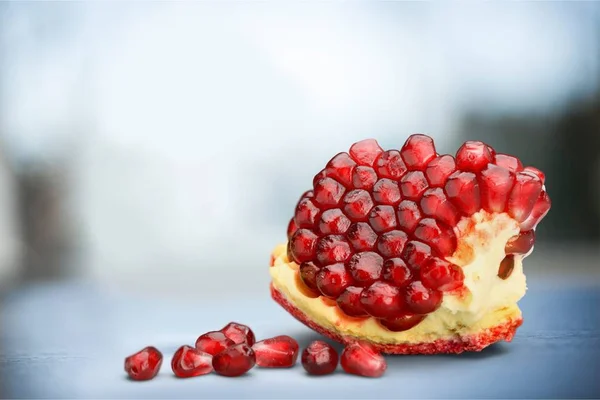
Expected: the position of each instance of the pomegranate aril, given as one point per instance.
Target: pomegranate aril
(520, 244)
(436, 234)
(382, 218)
(319, 358)
(328, 192)
(213, 342)
(491, 150)
(365, 268)
(389, 164)
(462, 189)
(332, 249)
(308, 274)
(415, 254)
(306, 213)
(396, 272)
(435, 204)
(358, 204)
(322, 174)
(523, 196)
(391, 244)
(365, 152)
(402, 323)
(349, 302)
(540, 209)
(361, 236)
(144, 364)
(333, 222)
(418, 151)
(276, 352)
(441, 275)
(386, 191)
(292, 228)
(409, 215)
(439, 169)
(506, 267)
(537, 172)
(188, 362)
(364, 177)
(382, 300)
(473, 156)
(421, 299)
(361, 358)
(239, 333)
(340, 168)
(235, 361)
(333, 279)
(509, 162)
(302, 246)
(495, 185)
(413, 184)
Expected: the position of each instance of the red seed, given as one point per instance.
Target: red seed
(292, 228)
(509, 162)
(523, 196)
(340, 168)
(239, 333)
(495, 185)
(235, 361)
(391, 244)
(328, 193)
(306, 213)
(396, 272)
(540, 209)
(386, 191)
(492, 151)
(418, 151)
(382, 218)
(435, 204)
(421, 299)
(462, 189)
(332, 249)
(439, 169)
(322, 174)
(213, 342)
(308, 274)
(520, 244)
(365, 152)
(441, 275)
(402, 323)
(276, 352)
(413, 184)
(361, 236)
(361, 358)
(144, 364)
(415, 254)
(319, 358)
(382, 300)
(506, 267)
(332, 280)
(358, 204)
(365, 268)
(436, 234)
(302, 246)
(349, 302)
(473, 156)
(333, 222)
(188, 362)
(389, 164)
(409, 215)
(364, 177)
(537, 172)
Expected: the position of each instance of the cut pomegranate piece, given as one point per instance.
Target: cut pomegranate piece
(509, 162)
(389, 164)
(396, 272)
(382, 218)
(366, 151)
(235, 361)
(340, 168)
(435, 204)
(463, 191)
(506, 267)
(439, 169)
(357, 204)
(365, 268)
(382, 300)
(441, 275)
(364, 177)
(144, 365)
(436, 234)
(332, 280)
(391, 244)
(413, 184)
(520, 244)
(332, 249)
(473, 156)
(308, 275)
(302, 246)
(415, 254)
(276, 352)
(524, 194)
(361, 358)
(361, 236)
(409, 215)
(495, 185)
(188, 362)
(239, 333)
(213, 342)
(421, 299)
(540, 209)
(349, 302)
(386, 191)
(306, 213)
(333, 222)
(418, 151)
(402, 323)
(328, 193)
(292, 228)
(319, 358)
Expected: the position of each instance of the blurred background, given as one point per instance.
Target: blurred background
(160, 147)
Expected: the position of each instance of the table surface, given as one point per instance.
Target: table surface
(69, 340)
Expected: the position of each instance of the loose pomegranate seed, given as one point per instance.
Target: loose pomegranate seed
(365, 152)
(382, 300)
(302, 246)
(413, 184)
(391, 244)
(396, 272)
(436, 234)
(361, 236)
(213, 342)
(357, 204)
(537, 172)
(365, 268)
(441, 275)
(332, 280)
(435, 204)
(421, 299)
(402, 323)
(382, 218)
(495, 184)
(506, 267)
(361, 358)
(540, 209)
(328, 193)
(292, 228)
(349, 302)
(386, 191)
(332, 249)
(524, 194)
(188, 362)
(418, 151)
(509, 162)
(144, 364)
(364, 177)
(306, 213)
(239, 333)
(473, 156)
(308, 274)
(276, 352)
(340, 168)
(319, 358)
(463, 191)
(415, 254)
(235, 361)
(389, 164)
(439, 169)
(520, 244)
(333, 222)
(408, 215)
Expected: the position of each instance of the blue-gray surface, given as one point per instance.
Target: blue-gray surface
(65, 341)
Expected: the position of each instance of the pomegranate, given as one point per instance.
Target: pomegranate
(188, 362)
(239, 333)
(361, 358)
(319, 358)
(144, 364)
(234, 361)
(213, 342)
(277, 352)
